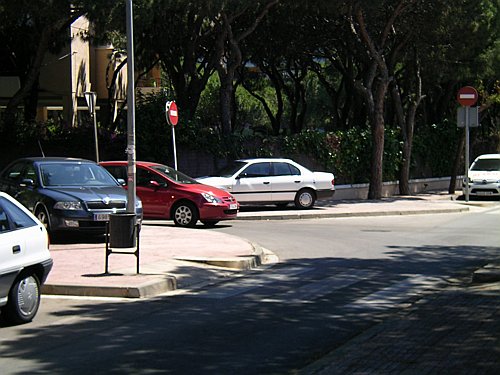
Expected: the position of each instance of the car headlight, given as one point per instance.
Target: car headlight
(211, 198)
(71, 205)
(138, 203)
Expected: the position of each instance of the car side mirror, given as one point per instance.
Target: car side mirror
(121, 181)
(25, 182)
(154, 184)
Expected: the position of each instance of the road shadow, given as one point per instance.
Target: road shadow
(182, 334)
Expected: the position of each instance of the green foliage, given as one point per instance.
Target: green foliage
(346, 153)
(435, 147)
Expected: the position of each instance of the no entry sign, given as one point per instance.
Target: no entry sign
(467, 96)
(171, 112)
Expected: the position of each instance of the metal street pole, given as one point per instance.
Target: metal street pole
(175, 148)
(96, 138)
(91, 98)
(467, 108)
(131, 169)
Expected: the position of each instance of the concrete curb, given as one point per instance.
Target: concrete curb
(159, 284)
(294, 216)
(242, 263)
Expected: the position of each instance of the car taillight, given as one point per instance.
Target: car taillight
(333, 182)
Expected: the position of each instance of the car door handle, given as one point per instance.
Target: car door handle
(16, 249)
(266, 182)
(297, 182)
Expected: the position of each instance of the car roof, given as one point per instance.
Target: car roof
(125, 162)
(489, 156)
(54, 159)
(247, 160)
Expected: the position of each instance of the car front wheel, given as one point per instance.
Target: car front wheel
(185, 215)
(305, 198)
(42, 215)
(24, 300)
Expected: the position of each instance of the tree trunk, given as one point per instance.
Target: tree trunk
(378, 130)
(27, 85)
(275, 119)
(226, 96)
(407, 125)
(456, 164)
(229, 58)
(377, 76)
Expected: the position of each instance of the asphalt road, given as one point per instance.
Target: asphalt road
(337, 278)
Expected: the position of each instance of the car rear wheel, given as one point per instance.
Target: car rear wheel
(185, 215)
(24, 300)
(305, 198)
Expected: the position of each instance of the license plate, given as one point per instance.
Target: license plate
(101, 217)
(233, 206)
(484, 193)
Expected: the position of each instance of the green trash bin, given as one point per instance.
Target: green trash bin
(122, 230)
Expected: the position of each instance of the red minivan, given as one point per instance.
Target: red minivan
(169, 194)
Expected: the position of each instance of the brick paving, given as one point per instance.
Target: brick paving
(454, 331)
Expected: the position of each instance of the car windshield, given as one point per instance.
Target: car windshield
(75, 174)
(231, 169)
(174, 175)
(486, 165)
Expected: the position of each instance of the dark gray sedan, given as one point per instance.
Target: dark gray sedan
(66, 193)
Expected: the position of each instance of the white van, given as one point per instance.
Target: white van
(25, 261)
(484, 176)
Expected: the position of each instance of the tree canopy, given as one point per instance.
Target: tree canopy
(336, 65)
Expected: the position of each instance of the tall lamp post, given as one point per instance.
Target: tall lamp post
(91, 98)
(131, 170)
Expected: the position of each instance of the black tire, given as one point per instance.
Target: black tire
(210, 223)
(43, 216)
(185, 214)
(305, 199)
(24, 300)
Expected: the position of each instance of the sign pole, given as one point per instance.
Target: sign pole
(467, 97)
(172, 118)
(467, 153)
(175, 149)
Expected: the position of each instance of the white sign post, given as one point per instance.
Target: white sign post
(467, 97)
(172, 118)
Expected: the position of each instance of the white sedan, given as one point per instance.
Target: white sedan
(25, 261)
(273, 181)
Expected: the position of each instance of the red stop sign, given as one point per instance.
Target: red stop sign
(467, 96)
(172, 114)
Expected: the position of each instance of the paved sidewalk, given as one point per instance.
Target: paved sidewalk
(178, 258)
(454, 331)
(169, 258)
